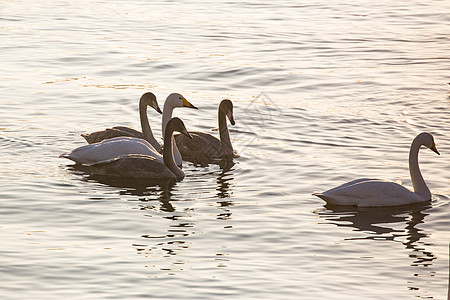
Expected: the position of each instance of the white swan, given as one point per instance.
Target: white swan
(147, 99)
(144, 166)
(204, 147)
(111, 148)
(367, 192)
(173, 101)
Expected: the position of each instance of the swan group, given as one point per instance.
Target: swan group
(142, 166)
(125, 152)
(116, 146)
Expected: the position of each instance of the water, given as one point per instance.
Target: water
(324, 92)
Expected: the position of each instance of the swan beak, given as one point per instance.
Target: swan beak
(434, 149)
(231, 118)
(158, 109)
(186, 133)
(188, 104)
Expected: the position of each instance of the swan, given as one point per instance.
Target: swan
(204, 147)
(111, 148)
(147, 99)
(366, 192)
(173, 101)
(141, 166)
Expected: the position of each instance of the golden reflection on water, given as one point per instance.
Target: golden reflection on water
(158, 197)
(397, 224)
(315, 106)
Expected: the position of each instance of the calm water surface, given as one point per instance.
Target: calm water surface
(324, 92)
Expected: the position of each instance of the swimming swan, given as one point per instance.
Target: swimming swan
(111, 148)
(374, 192)
(147, 99)
(204, 147)
(144, 166)
(173, 101)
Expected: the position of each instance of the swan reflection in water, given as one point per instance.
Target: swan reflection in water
(164, 247)
(174, 218)
(399, 224)
(146, 189)
(379, 223)
(163, 188)
(224, 182)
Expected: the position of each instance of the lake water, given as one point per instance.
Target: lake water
(324, 92)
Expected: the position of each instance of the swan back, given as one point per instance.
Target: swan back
(132, 166)
(111, 148)
(369, 193)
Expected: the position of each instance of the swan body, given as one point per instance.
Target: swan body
(142, 166)
(111, 148)
(204, 147)
(173, 101)
(147, 99)
(368, 192)
(137, 166)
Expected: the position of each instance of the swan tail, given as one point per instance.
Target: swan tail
(320, 195)
(69, 156)
(90, 137)
(336, 199)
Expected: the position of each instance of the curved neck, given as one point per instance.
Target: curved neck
(145, 125)
(167, 115)
(225, 140)
(168, 157)
(419, 185)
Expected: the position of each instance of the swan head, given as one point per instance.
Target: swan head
(428, 141)
(226, 106)
(177, 100)
(177, 125)
(150, 100)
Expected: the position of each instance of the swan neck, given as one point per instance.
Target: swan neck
(168, 157)
(167, 115)
(145, 125)
(419, 185)
(225, 140)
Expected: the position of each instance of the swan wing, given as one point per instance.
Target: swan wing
(127, 131)
(131, 166)
(203, 148)
(369, 192)
(111, 148)
(109, 133)
(200, 141)
(356, 181)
